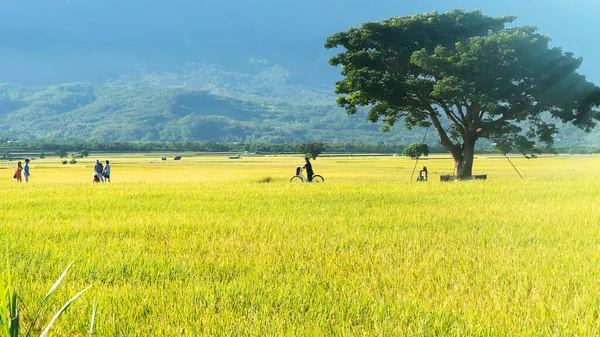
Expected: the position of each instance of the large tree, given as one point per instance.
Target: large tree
(468, 76)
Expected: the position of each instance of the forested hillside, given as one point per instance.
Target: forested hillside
(120, 113)
(112, 112)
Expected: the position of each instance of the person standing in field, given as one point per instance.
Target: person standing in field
(98, 172)
(26, 173)
(309, 171)
(106, 173)
(17, 174)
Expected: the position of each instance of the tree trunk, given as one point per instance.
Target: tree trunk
(468, 156)
(463, 155)
(457, 165)
(463, 158)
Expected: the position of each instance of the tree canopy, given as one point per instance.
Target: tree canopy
(312, 150)
(467, 75)
(416, 150)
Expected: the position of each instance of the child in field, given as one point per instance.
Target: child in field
(17, 174)
(106, 173)
(26, 173)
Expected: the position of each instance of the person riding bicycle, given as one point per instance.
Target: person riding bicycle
(309, 171)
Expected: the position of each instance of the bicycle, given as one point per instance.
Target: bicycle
(301, 178)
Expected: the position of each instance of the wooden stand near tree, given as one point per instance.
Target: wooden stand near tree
(468, 69)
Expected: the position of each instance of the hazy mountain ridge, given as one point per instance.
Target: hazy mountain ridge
(80, 111)
(267, 83)
(132, 112)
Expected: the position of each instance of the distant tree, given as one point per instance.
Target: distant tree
(313, 149)
(470, 69)
(416, 150)
(61, 153)
(84, 153)
(42, 155)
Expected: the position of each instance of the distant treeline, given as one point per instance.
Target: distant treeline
(199, 146)
(50, 147)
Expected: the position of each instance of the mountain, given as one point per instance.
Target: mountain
(114, 112)
(264, 83)
(137, 111)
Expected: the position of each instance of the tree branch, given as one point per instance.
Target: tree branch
(444, 139)
(453, 117)
(471, 112)
(506, 117)
(459, 107)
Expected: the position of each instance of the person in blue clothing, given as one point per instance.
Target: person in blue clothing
(309, 171)
(26, 173)
(106, 173)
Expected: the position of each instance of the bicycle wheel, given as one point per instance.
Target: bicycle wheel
(296, 179)
(318, 179)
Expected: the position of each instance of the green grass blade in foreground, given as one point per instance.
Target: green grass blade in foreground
(10, 294)
(62, 276)
(45, 332)
(93, 317)
(14, 316)
(5, 295)
(50, 292)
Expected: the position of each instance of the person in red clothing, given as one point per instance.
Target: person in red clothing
(17, 174)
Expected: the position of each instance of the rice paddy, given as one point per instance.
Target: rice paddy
(210, 246)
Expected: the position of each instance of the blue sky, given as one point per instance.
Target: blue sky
(69, 40)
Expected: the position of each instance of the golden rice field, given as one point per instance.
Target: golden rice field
(202, 247)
